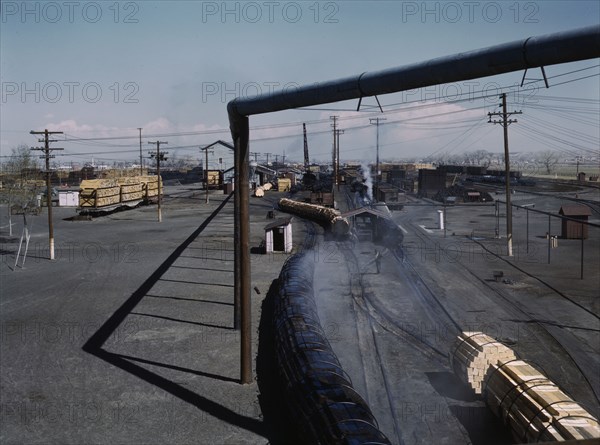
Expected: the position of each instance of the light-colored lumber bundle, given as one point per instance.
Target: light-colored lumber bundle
(132, 189)
(99, 193)
(534, 407)
(474, 352)
(150, 185)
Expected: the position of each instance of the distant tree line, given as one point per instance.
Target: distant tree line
(547, 158)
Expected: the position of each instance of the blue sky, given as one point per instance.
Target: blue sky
(103, 69)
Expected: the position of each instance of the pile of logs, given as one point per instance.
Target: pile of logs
(325, 215)
(534, 407)
(260, 190)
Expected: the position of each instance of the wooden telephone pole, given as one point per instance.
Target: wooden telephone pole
(160, 156)
(47, 156)
(505, 122)
(206, 151)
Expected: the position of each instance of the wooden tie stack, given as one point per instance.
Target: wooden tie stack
(99, 192)
(150, 186)
(534, 407)
(474, 353)
(131, 189)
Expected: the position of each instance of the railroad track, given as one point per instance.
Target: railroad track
(594, 205)
(366, 302)
(185, 194)
(369, 315)
(541, 328)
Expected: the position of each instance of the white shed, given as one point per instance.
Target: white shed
(278, 236)
(68, 198)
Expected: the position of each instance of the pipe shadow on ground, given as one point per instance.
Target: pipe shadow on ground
(95, 346)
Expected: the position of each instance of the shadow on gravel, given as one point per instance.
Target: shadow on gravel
(96, 342)
(482, 426)
(479, 422)
(280, 430)
(448, 385)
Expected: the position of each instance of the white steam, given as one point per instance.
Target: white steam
(367, 179)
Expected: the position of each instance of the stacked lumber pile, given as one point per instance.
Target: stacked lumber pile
(534, 407)
(115, 173)
(150, 186)
(99, 193)
(474, 353)
(132, 189)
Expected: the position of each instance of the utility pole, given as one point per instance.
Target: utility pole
(47, 156)
(206, 151)
(334, 156)
(160, 156)
(141, 158)
(375, 122)
(306, 160)
(505, 122)
(337, 156)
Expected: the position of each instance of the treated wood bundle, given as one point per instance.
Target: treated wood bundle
(99, 193)
(118, 173)
(534, 407)
(128, 180)
(150, 186)
(132, 189)
(474, 352)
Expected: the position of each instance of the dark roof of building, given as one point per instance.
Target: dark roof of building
(362, 210)
(575, 210)
(278, 223)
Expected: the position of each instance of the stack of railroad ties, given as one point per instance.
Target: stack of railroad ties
(534, 407)
(127, 191)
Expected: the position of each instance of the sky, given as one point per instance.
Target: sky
(98, 71)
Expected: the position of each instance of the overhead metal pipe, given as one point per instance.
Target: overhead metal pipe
(532, 52)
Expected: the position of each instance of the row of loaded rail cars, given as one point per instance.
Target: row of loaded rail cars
(318, 393)
(103, 195)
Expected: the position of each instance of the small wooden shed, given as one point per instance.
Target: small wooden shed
(278, 236)
(573, 229)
